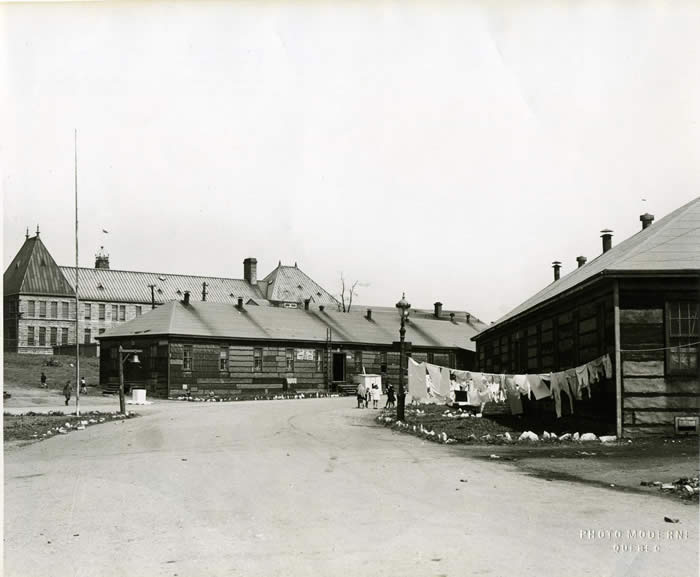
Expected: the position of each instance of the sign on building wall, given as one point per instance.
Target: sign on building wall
(305, 354)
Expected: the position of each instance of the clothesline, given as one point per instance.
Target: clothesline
(660, 349)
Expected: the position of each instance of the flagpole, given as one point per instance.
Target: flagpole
(77, 299)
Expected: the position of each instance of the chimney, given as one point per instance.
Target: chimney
(606, 235)
(250, 270)
(369, 314)
(102, 259)
(186, 300)
(307, 302)
(240, 303)
(321, 308)
(556, 265)
(438, 309)
(646, 219)
(581, 260)
(469, 318)
(452, 317)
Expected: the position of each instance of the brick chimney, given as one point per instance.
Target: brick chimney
(469, 318)
(556, 265)
(186, 300)
(369, 314)
(438, 309)
(307, 302)
(646, 219)
(250, 270)
(240, 302)
(452, 317)
(581, 260)
(606, 235)
(102, 259)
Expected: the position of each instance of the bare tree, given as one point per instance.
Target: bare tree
(347, 293)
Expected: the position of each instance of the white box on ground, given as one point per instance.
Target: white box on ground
(368, 380)
(138, 396)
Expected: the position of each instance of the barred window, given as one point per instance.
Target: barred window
(88, 311)
(54, 336)
(30, 336)
(289, 357)
(31, 308)
(87, 336)
(223, 359)
(257, 360)
(683, 335)
(187, 358)
(42, 336)
(54, 310)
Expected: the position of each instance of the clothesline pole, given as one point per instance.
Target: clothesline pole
(618, 360)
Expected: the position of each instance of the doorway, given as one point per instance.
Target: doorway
(338, 367)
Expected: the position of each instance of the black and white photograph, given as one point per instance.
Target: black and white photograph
(365, 288)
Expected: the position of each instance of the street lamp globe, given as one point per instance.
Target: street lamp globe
(403, 305)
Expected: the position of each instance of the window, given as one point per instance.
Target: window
(318, 359)
(87, 307)
(101, 312)
(54, 310)
(42, 336)
(115, 312)
(42, 309)
(223, 359)
(431, 357)
(257, 360)
(187, 358)
(683, 333)
(54, 336)
(31, 308)
(153, 357)
(358, 361)
(383, 361)
(289, 357)
(30, 336)
(87, 337)
(65, 310)
(64, 336)
(122, 312)
(101, 331)
(138, 310)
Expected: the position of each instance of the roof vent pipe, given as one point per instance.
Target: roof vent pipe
(581, 260)
(646, 219)
(240, 302)
(606, 235)
(321, 308)
(186, 300)
(452, 317)
(556, 265)
(438, 308)
(469, 318)
(307, 302)
(369, 314)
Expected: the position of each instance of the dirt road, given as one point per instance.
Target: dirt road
(312, 487)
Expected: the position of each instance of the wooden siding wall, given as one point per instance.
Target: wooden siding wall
(651, 397)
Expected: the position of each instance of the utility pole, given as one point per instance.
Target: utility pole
(77, 298)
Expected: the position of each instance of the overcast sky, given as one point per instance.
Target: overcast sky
(450, 150)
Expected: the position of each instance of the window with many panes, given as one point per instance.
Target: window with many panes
(187, 358)
(87, 307)
(87, 336)
(683, 336)
(64, 336)
(42, 336)
(65, 310)
(42, 309)
(122, 312)
(223, 359)
(101, 312)
(289, 359)
(30, 336)
(358, 361)
(54, 336)
(31, 308)
(257, 360)
(54, 310)
(318, 359)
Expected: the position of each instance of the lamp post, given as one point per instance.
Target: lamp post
(403, 306)
(124, 355)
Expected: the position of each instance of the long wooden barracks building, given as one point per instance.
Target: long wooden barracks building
(637, 302)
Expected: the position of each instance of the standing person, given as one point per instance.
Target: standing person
(361, 392)
(390, 397)
(375, 396)
(67, 390)
(43, 380)
(83, 386)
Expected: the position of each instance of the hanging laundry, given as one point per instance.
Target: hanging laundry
(515, 403)
(559, 383)
(522, 384)
(593, 371)
(607, 367)
(473, 397)
(538, 388)
(435, 376)
(445, 387)
(461, 377)
(582, 381)
(416, 380)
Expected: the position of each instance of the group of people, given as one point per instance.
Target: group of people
(373, 393)
(67, 388)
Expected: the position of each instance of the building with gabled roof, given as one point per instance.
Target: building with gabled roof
(216, 348)
(637, 302)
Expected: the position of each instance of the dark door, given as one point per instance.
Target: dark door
(338, 367)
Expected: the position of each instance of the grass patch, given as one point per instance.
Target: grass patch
(38, 426)
(22, 370)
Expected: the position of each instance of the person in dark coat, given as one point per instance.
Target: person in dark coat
(43, 380)
(390, 397)
(67, 390)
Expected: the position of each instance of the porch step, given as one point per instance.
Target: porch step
(346, 388)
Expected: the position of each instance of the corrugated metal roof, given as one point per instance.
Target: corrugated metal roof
(670, 244)
(33, 271)
(460, 316)
(205, 319)
(290, 284)
(129, 286)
